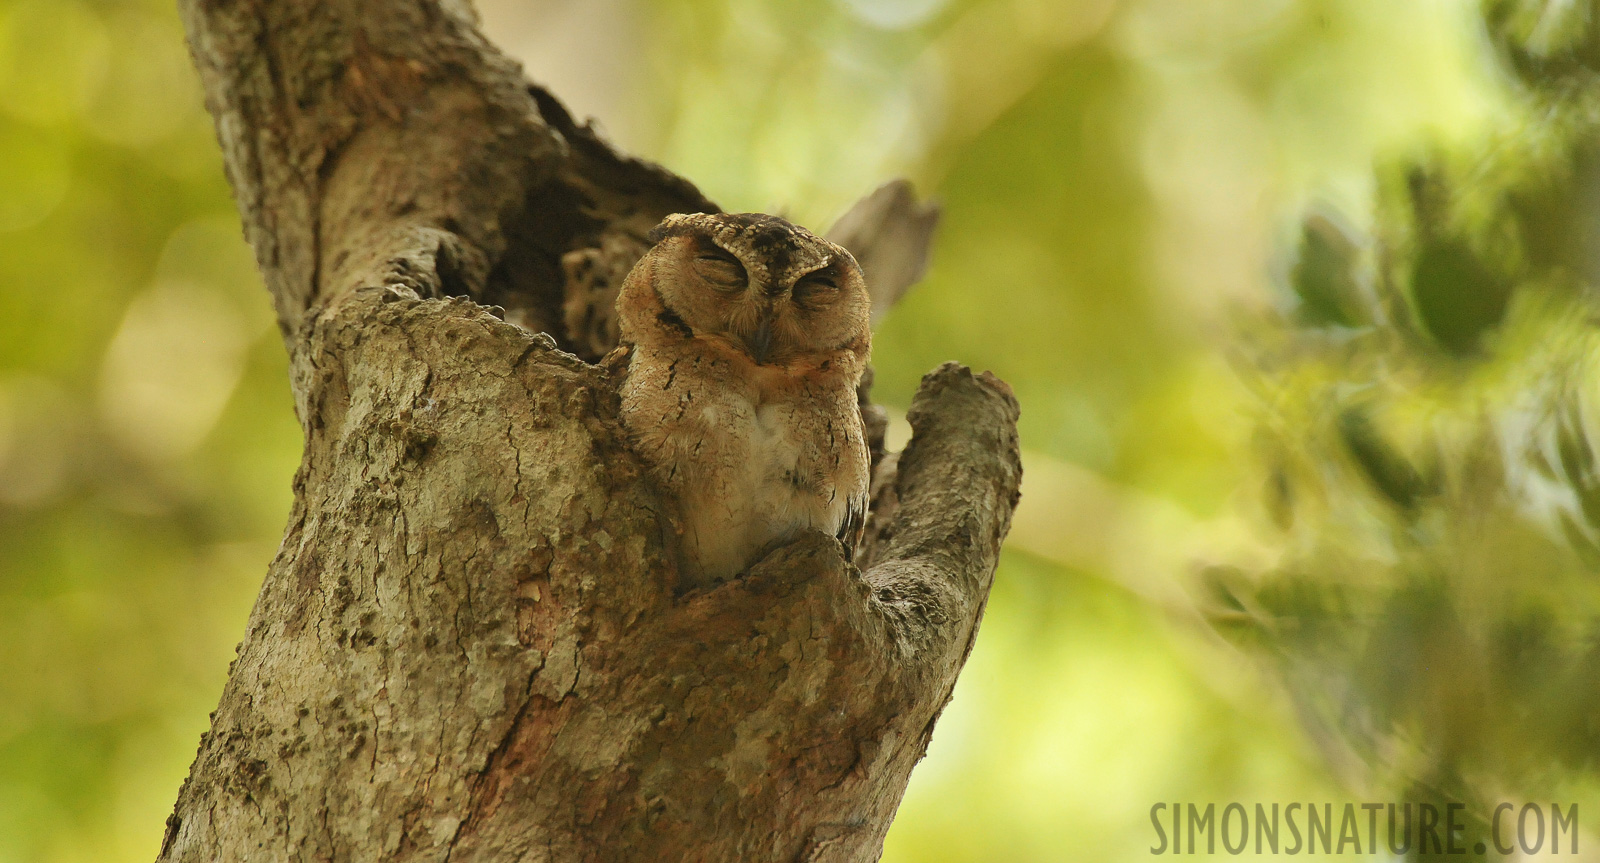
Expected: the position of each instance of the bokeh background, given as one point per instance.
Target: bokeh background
(1297, 296)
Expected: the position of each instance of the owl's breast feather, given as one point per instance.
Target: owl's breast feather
(753, 458)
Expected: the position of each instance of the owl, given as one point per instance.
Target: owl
(748, 336)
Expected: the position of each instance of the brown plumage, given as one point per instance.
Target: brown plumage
(749, 335)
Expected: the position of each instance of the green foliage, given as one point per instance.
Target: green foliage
(1377, 472)
(1433, 473)
(146, 433)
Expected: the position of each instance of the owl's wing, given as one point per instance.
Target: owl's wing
(854, 526)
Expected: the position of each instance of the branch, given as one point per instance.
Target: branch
(942, 508)
(371, 142)
(468, 646)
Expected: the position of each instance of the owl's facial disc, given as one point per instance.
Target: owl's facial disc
(754, 305)
(774, 309)
(759, 285)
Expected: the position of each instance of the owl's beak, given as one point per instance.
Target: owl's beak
(760, 342)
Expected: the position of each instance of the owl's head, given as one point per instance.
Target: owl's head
(768, 289)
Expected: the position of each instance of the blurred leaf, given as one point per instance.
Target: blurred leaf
(1458, 298)
(1578, 462)
(1390, 472)
(1326, 275)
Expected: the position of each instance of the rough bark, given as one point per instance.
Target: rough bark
(469, 646)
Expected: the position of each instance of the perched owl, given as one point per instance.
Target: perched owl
(748, 337)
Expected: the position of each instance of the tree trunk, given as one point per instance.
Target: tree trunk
(469, 646)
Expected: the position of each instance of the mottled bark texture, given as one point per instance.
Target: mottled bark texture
(469, 646)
